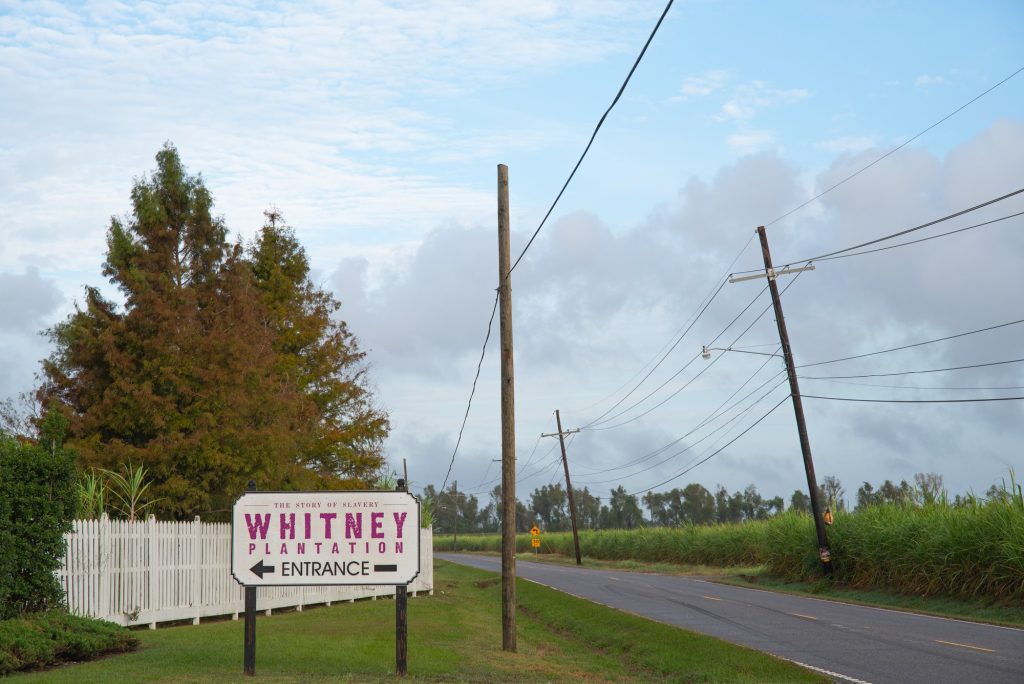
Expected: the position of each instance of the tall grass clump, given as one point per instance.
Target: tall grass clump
(969, 551)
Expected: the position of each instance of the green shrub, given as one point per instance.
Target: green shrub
(45, 639)
(37, 504)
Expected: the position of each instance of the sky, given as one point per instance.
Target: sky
(376, 129)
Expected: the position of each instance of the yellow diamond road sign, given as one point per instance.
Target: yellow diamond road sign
(535, 531)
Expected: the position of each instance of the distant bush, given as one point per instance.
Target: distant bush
(49, 638)
(37, 504)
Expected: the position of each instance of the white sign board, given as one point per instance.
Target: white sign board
(325, 538)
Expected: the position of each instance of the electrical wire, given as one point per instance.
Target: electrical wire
(925, 388)
(472, 391)
(718, 451)
(688, 447)
(911, 346)
(822, 257)
(913, 372)
(893, 150)
(593, 135)
(914, 242)
(677, 335)
(600, 123)
(913, 401)
(703, 370)
(600, 419)
(714, 415)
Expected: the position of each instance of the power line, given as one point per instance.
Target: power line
(597, 128)
(916, 228)
(490, 322)
(472, 391)
(914, 401)
(716, 452)
(924, 388)
(930, 237)
(703, 370)
(739, 416)
(664, 356)
(912, 372)
(897, 234)
(714, 415)
(894, 150)
(677, 335)
(599, 421)
(916, 344)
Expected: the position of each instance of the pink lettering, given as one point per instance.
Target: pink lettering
(399, 522)
(260, 525)
(288, 526)
(354, 525)
(327, 518)
(376, 523)
(309, 525)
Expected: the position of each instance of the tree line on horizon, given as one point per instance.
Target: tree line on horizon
(694, 504)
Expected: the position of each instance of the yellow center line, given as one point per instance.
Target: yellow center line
(712, 598)
(973, 648)
(806, 617)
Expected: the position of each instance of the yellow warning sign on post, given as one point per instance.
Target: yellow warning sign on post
(535, 531)
(535, 543)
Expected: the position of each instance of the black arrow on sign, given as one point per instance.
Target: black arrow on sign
(260, 568)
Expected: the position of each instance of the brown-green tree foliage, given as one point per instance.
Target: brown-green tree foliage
(317, 353)
(220, 366)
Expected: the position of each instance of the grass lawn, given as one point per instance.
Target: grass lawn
(454, 636)
(978, 610)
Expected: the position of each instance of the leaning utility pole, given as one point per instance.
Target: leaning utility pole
(568, 484)
(794, 389)
(508, 423)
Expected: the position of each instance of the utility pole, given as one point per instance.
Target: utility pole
(508, 422)
(455, 515)
(794, 390)
(568, 484)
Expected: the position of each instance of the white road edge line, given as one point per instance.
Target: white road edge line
(823, 671)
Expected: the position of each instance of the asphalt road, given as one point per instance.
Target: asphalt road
(849, 643)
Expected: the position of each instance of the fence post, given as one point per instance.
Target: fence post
(106, 578)
(153, 570)
(197, 569)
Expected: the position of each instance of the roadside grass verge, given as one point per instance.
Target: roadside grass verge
(454, 636)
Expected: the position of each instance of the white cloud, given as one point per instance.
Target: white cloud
(750, 141)
(705, 84)
(749, 98)
(927, 80)
(27, 301)
(848, 144)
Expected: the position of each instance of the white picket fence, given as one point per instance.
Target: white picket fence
(146, 572)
